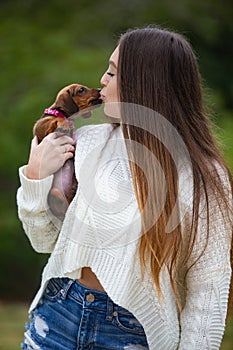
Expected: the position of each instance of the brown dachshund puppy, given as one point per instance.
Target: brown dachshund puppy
(73, 100)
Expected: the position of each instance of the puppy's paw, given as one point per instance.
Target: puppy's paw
(58, 203)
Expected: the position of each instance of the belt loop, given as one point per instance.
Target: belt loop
(64, 291)
(109, 312)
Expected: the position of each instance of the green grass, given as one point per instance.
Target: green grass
(228, 336)
(12, 319)
(14, 316)
(226, 125)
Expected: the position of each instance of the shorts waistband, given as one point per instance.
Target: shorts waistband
(90, 298)
(91, 295)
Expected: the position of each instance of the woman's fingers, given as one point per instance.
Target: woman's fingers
(60, 146)
(59, 139)
(49, 156)
(68, 148)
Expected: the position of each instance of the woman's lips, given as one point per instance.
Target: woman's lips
(102, 97)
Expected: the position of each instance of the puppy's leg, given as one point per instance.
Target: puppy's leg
(60, 194)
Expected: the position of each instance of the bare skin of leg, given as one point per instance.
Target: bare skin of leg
(89, 279)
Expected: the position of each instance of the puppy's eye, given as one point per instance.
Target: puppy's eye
(81, 90)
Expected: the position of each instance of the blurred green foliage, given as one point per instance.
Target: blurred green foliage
(46, 45)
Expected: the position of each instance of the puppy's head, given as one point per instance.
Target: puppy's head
(75, 98)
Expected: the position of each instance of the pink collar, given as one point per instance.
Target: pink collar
(55, 113)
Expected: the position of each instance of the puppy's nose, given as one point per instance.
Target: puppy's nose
(98, 89)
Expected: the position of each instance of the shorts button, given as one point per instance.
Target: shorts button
(90, 297)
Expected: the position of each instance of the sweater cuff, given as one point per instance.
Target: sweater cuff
(35, 191)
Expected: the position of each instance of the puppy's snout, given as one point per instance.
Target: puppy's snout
(97, 100)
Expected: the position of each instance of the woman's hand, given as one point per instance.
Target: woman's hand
(49, 156)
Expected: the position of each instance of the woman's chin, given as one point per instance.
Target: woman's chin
(112, 109)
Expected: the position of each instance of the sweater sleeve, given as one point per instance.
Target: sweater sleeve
(208, 281)
(41, 227)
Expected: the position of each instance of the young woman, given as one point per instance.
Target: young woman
(142, 258)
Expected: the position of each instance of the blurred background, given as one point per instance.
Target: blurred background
(45, 45)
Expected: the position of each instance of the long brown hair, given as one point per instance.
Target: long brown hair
(158, 69)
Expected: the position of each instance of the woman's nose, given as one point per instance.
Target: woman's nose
(103, 80)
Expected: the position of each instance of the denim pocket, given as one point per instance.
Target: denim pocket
(54, 289)
(128, 323)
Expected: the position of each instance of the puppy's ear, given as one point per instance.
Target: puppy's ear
(44, 126)
(65, 102)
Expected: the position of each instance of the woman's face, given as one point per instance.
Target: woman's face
(109, 92)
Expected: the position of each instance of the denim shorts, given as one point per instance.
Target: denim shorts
(71, 316)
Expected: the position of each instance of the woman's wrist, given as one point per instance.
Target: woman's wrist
(32, 173)
(35, 191)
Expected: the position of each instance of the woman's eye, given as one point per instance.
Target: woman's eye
(81, 90)
(110, 74)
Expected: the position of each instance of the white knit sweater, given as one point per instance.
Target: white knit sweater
(101, 230)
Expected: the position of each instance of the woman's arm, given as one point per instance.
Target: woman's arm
(208, 281)
(41, 227)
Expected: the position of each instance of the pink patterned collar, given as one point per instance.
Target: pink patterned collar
(55, 113)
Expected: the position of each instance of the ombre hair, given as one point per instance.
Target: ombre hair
(158, 69)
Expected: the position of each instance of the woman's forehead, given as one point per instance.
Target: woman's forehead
(114, 57)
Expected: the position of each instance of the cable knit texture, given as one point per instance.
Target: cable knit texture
(101, 230)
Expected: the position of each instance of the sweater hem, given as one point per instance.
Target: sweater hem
(124, 287)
